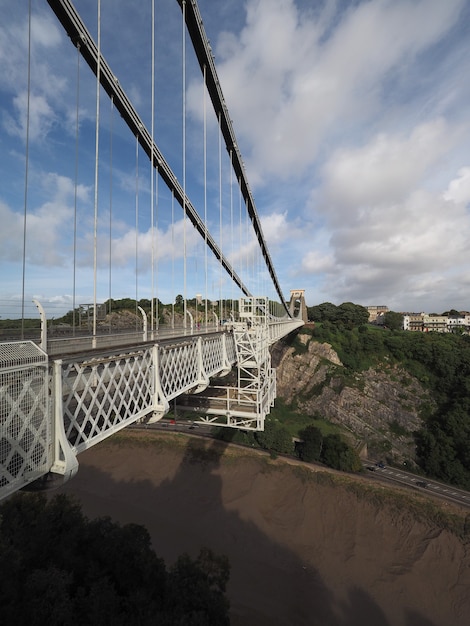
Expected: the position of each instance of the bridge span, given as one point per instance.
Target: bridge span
(60, 396)
(53, 409)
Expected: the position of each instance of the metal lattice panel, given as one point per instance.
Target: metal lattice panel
(278, 329)
(98, 397)
(20, 354)
(231, 348)
(103, 396)
(25, 422)
(212, 355)
(179, 369)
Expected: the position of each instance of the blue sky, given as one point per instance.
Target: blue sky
(352, 119)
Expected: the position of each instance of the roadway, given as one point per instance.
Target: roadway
(426, 485)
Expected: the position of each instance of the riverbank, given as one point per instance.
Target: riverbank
(305, 547)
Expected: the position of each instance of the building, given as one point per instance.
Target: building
(376, 314)
(413, 321)
(423, 322)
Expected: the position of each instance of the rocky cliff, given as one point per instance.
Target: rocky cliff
(379, 407)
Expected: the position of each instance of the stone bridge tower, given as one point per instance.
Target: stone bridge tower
(297, 306)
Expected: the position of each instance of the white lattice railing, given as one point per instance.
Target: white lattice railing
(92, 398)
(25, 424)
(103, 395)
(51, 411)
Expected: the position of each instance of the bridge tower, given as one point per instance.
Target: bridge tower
(297, 306)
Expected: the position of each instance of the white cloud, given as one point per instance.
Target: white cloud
(316, 262)
(292, 76)
(459, 188)
(351, 118)
(402, 255)
(48, 226)
(38, 121)
(167, 246)
(385, 170)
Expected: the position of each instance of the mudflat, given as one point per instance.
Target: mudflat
(306, 547)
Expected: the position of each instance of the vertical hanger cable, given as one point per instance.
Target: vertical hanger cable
(97, 127)
(184, 163)
(25, 212)
(136, 230)
(152, 174)
(110, 276)
(74, 278)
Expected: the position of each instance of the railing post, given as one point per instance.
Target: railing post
(42, 314)
(225, 360)
(144, 322)
(191, 322)
(64, 461)
(160, 403)
(203, 378)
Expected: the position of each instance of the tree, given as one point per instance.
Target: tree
(309, 449)
(347, 314)
(179, 302)
(338, 454)
(352, 315)
(322, 312)
(275, 438)
(196, 588)
(393, 320)
(59, 568)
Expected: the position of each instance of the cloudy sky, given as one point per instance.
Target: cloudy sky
(352, 118)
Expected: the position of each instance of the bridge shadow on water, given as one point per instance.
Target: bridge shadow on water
(183, 504)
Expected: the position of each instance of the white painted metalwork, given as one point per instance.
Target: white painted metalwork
(52, 411)
(25, 425)
(245, 405)
(49, 414)
(102, 395)
(279, 328)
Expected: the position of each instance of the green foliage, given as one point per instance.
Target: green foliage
(358, 348)
(443, 445)
(338, 454)
(397, 429)
(58, 568)
(275, 438)
(235, 435)
(330, 449)
(310, 448)
(27, 323)
(441, 362)
(346, 315)
(393, 320)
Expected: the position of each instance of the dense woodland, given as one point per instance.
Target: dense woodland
(440, 361)
(59, 568)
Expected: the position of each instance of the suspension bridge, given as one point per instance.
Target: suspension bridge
(60, 395)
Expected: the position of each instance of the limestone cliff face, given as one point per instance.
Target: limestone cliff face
(380, 406)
